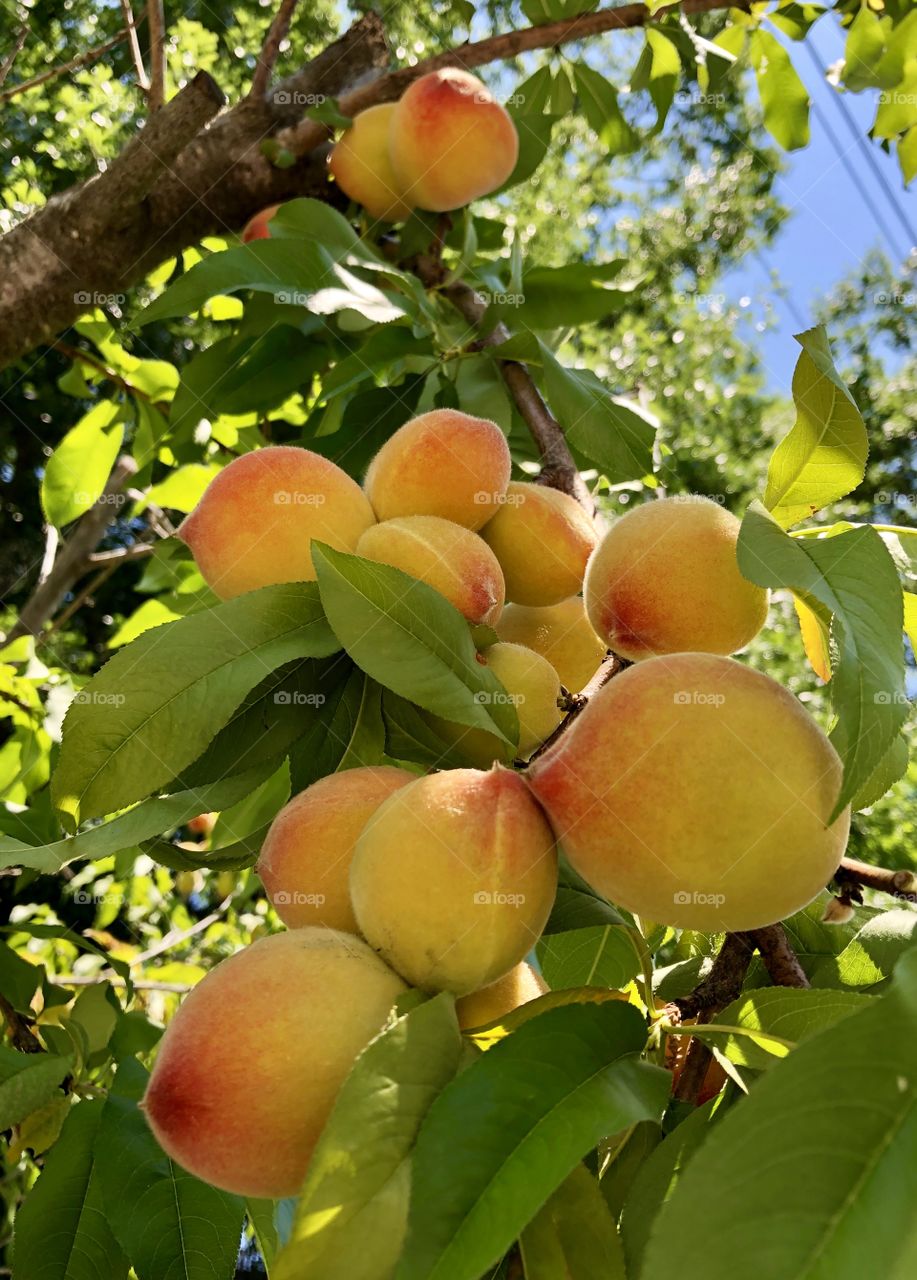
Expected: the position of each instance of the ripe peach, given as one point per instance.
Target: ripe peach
(255, 523)
(542, 538)
(533, 686)
(257, 227)
(665, 579)
(697, 793)
(559, 632)
(448, 557)
(450, 141)
(453, 878)
(442, 463)
(515, 988)
(305, 859)
(250, 1066)
(362, 168)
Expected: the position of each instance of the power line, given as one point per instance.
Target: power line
(866, 149)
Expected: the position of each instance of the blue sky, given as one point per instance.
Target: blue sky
(830, 227)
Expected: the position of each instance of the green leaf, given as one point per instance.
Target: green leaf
(664, 72)
(19, 979)
(344, 730)
(833, 1131)
(574, 1236)
(27, 1082)
(781, 1012)
(411, 640)
(599, 102)
(870, 957)
(600, 956)
(615, 436)
(410, 736)
(890, 769)
(358, 1184)
(795, 20)
(78, 469)
(863, 50)
(854, 576)
(576, 909)
(168, 1222)
(515, 1124)
(534, 132)
(577, 293)
(182, 489)
(157, 703)
(824, 455)
(897, 111)
(62, 1230)
(783, 95)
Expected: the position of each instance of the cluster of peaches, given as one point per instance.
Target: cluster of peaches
(444, 143)
(690, 790)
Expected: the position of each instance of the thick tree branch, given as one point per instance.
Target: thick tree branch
(779, 958)
(719, 988)
(73, 560)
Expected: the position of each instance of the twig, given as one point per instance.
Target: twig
(86, 357)
(130, 24)
(611, 666)
(71, 563)
(900, 884)
(271, 47)
(121, 555)
(779, 958)
(20, 1029)
(7, 65)
(156, 23)
(79, 61)
(548, 35)
(140, 984)
(720, 987)
(85, 593)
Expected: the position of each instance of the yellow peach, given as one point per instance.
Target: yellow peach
(542, 538)
(559, 632)
(515, 988)
(363, 169)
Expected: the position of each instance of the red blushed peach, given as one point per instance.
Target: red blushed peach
(697, 793)
(251, 1064)
(559, 632)
(543, 539)
(448, 557)
(255, 524)
(453, 878)
(305, 859)
(450, 141)
(362, 167)
(257, 228)
(665, 579)
(442, 463)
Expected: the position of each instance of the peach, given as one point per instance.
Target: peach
(453, 878)
(251, 1064)
(255, 523)
(559, 632)
(665, 579)
(363, 169)
(533, 687)
(542, 538)
(450, 142)
(304, 862)
(442, 463)
(697, 793)
(515, 988)
(447, 556)
(257, 227)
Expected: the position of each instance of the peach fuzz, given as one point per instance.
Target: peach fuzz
(697, 793)
(362, 167)
(543, 539)
(450, 142)
(304, 862)
(442, 463)
(448, 557)
(453, 878)
(665, 579)
(559, 632)
(515, 988)
(250, 1066)
(255, 523)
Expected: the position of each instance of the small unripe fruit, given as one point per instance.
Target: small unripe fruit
(543, 539)
(450, 141)
(697, 793)
(445, 555)
(251, 1064)
(184, 883)
(533, 686)
(442, 463)
(363, 169)
(515, 988)
(255, 524)
(453, 878)
(202, 825)
(305, 859)
(559, 632)
(665, 579)
(257, 228)
(225, 884)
